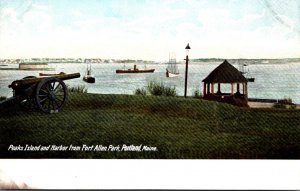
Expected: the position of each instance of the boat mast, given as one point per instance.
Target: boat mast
(172, 62)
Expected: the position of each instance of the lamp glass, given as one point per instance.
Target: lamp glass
(187, 48)
(187, 51)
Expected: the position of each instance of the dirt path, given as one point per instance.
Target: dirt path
(260, 104)
(253, 104)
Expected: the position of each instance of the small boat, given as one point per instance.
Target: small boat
(88, 77)
(172, 68)
(135, 70)
(46, 74)
(245, 72)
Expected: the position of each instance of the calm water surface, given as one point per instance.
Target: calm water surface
(274, 81)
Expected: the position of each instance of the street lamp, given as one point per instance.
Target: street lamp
(187, 48)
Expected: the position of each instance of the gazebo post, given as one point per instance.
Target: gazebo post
(246, 91)
(212, 88)
(238, 87)
(204, 89)
(219, 88)
(208, 88)
(232, 88)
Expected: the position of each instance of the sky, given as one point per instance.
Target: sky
(149, 29)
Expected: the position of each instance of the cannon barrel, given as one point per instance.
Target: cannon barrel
(30, 81)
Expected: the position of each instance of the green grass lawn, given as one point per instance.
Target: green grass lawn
(179, 128)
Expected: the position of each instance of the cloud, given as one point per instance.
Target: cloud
(22, 29)
(76, 13)
(8, 12)
(147, 33)
(249, 35)
(214, 18)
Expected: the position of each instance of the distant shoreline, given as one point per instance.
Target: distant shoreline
(36, 69)
(249, 62)
(128, 61)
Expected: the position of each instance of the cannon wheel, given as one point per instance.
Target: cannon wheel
(51, 94)
(28, 102)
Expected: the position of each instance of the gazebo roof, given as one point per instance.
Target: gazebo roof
(225, 73)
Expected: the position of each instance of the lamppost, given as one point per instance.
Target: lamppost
(187, 48)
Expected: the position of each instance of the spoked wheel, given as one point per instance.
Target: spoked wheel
(51, 94)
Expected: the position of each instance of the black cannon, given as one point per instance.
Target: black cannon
(47, 93)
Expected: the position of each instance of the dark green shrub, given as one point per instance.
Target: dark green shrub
(197, 94)
(279, 106)
(155, 88)
(293, 106)
(78, 89)
(140, 91)
(159, 89)
(169, 91)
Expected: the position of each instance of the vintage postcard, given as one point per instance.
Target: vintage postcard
(156, 80)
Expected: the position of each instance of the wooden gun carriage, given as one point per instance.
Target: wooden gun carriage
(47, 93)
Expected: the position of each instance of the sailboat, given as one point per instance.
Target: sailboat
(243, 69)
(172, 68)
(88, 77)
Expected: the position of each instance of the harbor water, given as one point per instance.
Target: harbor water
(272, 81)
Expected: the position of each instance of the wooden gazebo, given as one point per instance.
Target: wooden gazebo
(225, 73)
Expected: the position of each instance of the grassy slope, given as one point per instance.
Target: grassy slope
(178, 127)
